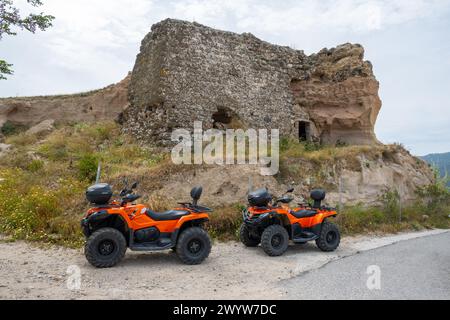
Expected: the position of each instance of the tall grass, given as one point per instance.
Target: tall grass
(42, 182)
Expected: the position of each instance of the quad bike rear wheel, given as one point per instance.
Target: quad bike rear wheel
(246, 238)
(105, 248)
(193, 245)
(275, 240)
(329, 237)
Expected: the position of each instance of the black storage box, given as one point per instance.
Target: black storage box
(259, 198)
(99, 193)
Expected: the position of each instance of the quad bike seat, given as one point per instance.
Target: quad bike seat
(303, 213)
(166, 215)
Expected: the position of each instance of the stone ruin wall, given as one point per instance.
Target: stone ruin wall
(188, 72)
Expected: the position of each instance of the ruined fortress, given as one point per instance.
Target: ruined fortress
(186, 72)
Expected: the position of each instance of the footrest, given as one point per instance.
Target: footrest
(305, 236)
(162, 244)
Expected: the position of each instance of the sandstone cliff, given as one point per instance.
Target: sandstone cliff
(102, 104)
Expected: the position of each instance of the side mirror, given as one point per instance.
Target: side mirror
(134, 185)
(123, 192)
(290, 190)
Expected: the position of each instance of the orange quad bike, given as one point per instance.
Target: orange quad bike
(111, 227)
(273, 223)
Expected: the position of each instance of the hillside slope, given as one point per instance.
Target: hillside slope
(97, 105)
(441, 161)
(43, 177)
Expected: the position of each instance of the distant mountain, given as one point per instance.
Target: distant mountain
(440, 161)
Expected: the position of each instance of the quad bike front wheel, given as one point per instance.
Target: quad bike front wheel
(193, 245)
(329, 237)
(246, 238)
(105, 248)
(275, 240)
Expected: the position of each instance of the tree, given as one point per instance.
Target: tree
(11, 20)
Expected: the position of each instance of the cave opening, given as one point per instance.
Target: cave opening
(224, 118)
(304, 131)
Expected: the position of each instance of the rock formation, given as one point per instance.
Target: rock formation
(186, 71)
(362, 179)
(103, 104)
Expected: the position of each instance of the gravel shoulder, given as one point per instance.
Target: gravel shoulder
(232, 271)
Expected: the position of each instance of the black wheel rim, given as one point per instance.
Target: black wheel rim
(106, 247)
(331, 237)
(277, 241)
(195, 246)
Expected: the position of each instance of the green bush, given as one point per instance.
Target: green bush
(357, 219)
(35, 165)
(390, 199)
(87, 167)
(225, 222)
(435, 195)
(9, 128)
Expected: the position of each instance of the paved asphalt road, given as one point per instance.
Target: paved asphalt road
(412, 269)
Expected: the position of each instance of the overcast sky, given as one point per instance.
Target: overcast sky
(94, 43)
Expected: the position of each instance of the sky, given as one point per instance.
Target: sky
(94, 43)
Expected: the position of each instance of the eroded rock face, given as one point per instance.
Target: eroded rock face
(103, 104)
(340, 96)
(403, 174)
(42, 127)
(187, 72)
(4, 149)
(362, 179)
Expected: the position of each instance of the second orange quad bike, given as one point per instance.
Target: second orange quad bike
(111, 227)
(273, 223)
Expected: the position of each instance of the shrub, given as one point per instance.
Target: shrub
(35, 165)
(390, 199)
(225, 222)
(87, 167)
(357, 219)
(9, 128)
(435, 195)
(312, 146)
(22, 139)
(55, 148)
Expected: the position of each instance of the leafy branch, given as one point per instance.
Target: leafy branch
(11, 20)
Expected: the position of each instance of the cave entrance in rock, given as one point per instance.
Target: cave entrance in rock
(224, 118)
(304, 131)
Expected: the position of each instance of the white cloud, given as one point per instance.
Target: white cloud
(291, 15)
(90, 33)
(87, 33)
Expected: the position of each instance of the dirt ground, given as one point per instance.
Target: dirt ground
(232, 271)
